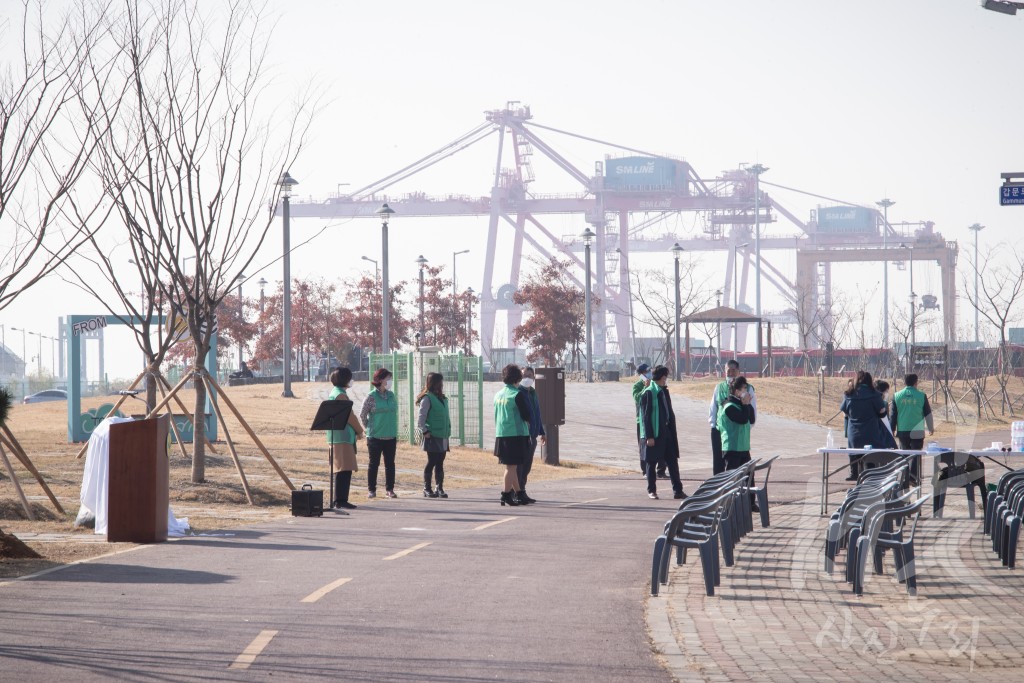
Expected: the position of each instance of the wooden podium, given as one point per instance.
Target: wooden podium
(138, 495)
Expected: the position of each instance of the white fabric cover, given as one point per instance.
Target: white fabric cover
(95, 481)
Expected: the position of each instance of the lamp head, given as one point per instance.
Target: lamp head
(677, 251)
(286, 184)
(588, 236)
(421, 261)
(262, 282)
(385, 212)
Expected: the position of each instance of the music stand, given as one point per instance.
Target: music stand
(328, 416)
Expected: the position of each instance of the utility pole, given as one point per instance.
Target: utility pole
(885, 204)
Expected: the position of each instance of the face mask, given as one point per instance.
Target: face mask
(647, 375)
(527, 382)
(387, 385)
(349, 385)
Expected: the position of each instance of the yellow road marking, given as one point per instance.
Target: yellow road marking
(407, 551)
(490, 524)
(321, 592)
(250, 653)
(584, 502)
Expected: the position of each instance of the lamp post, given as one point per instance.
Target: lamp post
(718, 331)
(376, 270)
(736, 294)
(53, 354)
(241, 314)
(913, 308)
(385, 212)
(677, 252)
(423, 264)
(455, 297)
(39, 353)
(757, 170)
(262, 282)
(286, 184)
(588, 236)
(885, 204)
(976, 228)
(469, 319)
(629, 293)
(24, 372)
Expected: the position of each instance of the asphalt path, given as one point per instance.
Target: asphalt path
(400, 590)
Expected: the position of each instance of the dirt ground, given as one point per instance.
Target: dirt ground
(219, 503)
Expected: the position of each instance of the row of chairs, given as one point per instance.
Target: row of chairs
(878, 514)
(712, 520)
(1004, 510)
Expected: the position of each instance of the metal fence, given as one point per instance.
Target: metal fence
(464, 386)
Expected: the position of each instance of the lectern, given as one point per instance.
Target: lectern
(138, 491)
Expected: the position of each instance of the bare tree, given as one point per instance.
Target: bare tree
(654, 291)
(42, 154)
(190, 157)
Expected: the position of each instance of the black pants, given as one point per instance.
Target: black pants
(376, 448)
(717, 461)
(342, 484)
(909, 444)
(735, 459)
(672, 465)
(435, 467)
(643, 463)
(523, 468)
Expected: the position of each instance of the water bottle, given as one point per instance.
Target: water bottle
(1017, 436)
(830, 440)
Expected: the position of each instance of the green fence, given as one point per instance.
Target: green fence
(463, 384)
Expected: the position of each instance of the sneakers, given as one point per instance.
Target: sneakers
(652, 496)
(371, 494)
(391, 494)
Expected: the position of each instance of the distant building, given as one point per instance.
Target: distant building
(10, 364)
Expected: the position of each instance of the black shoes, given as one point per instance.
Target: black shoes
(663, 475)
(679, 495)
(347, 505)
(429, 493)
(524, 499)
(509, 498)
(440, 492)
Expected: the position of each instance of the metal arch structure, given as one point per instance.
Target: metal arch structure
(622, 218)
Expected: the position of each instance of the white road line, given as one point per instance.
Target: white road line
(584, 502)
(321, 592)
(407, 551)
(490, 524)
(250, 653)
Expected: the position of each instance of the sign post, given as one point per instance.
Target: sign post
(1012, 191)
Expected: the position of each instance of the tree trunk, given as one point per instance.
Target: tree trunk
(150, 388)
(199, 419)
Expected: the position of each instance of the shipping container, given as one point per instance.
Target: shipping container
(856, 219)
(642, 174)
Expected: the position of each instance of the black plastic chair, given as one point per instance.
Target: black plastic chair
(877, 539)
(683, 531)
(761, 492)
(962, 470)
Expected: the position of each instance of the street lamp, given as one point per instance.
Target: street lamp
(24, 372)
(385, 212)
(469, 319)
(885, 204)
(718, 331)
(39, 353)
(423, 264)
(376, 268)
(677, 252)
(286, 184)
(736, 294)
(241, 314)
(588, 236)
(757, 170)
(976, 228)
(913, 308)
(455, 297)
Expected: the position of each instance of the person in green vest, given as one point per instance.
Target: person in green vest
(511, 431)
(735, 417)
(380, 416)
(435, 424)
(536, 431)
(644, 371)
(718, 399)
(909, 415)
(343, 441)
(658, 431)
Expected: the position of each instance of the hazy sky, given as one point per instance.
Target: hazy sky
(917, 100)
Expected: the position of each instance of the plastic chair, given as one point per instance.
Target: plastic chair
(962, 470)
(884, 460)
(684, 531)
(902, 544)
(850, 513)
(994, 498)
(761, 492)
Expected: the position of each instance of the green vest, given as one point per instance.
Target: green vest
(909, 410)
(438, 422)
(722, 394)
(346, 435)
(384, 417)
(638, 388)
(735, 437)
(507, 420)
(653, 389)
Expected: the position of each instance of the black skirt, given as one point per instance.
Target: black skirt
(512, 450)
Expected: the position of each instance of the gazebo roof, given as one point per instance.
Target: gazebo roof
(721, 314)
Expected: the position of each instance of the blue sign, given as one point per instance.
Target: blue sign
(1011, 194)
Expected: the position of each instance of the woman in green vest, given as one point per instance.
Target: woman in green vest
(511, 431)
(380, 416)
(435, 424)
(343, 441)
(734, 420)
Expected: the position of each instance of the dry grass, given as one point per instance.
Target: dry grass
(283, 427)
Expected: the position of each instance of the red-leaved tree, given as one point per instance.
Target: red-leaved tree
(557, 313)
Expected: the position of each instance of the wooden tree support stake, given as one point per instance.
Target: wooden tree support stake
(231, 445)
(11, 442)
(17, 484)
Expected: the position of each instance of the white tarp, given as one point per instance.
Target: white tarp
(95, 481)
